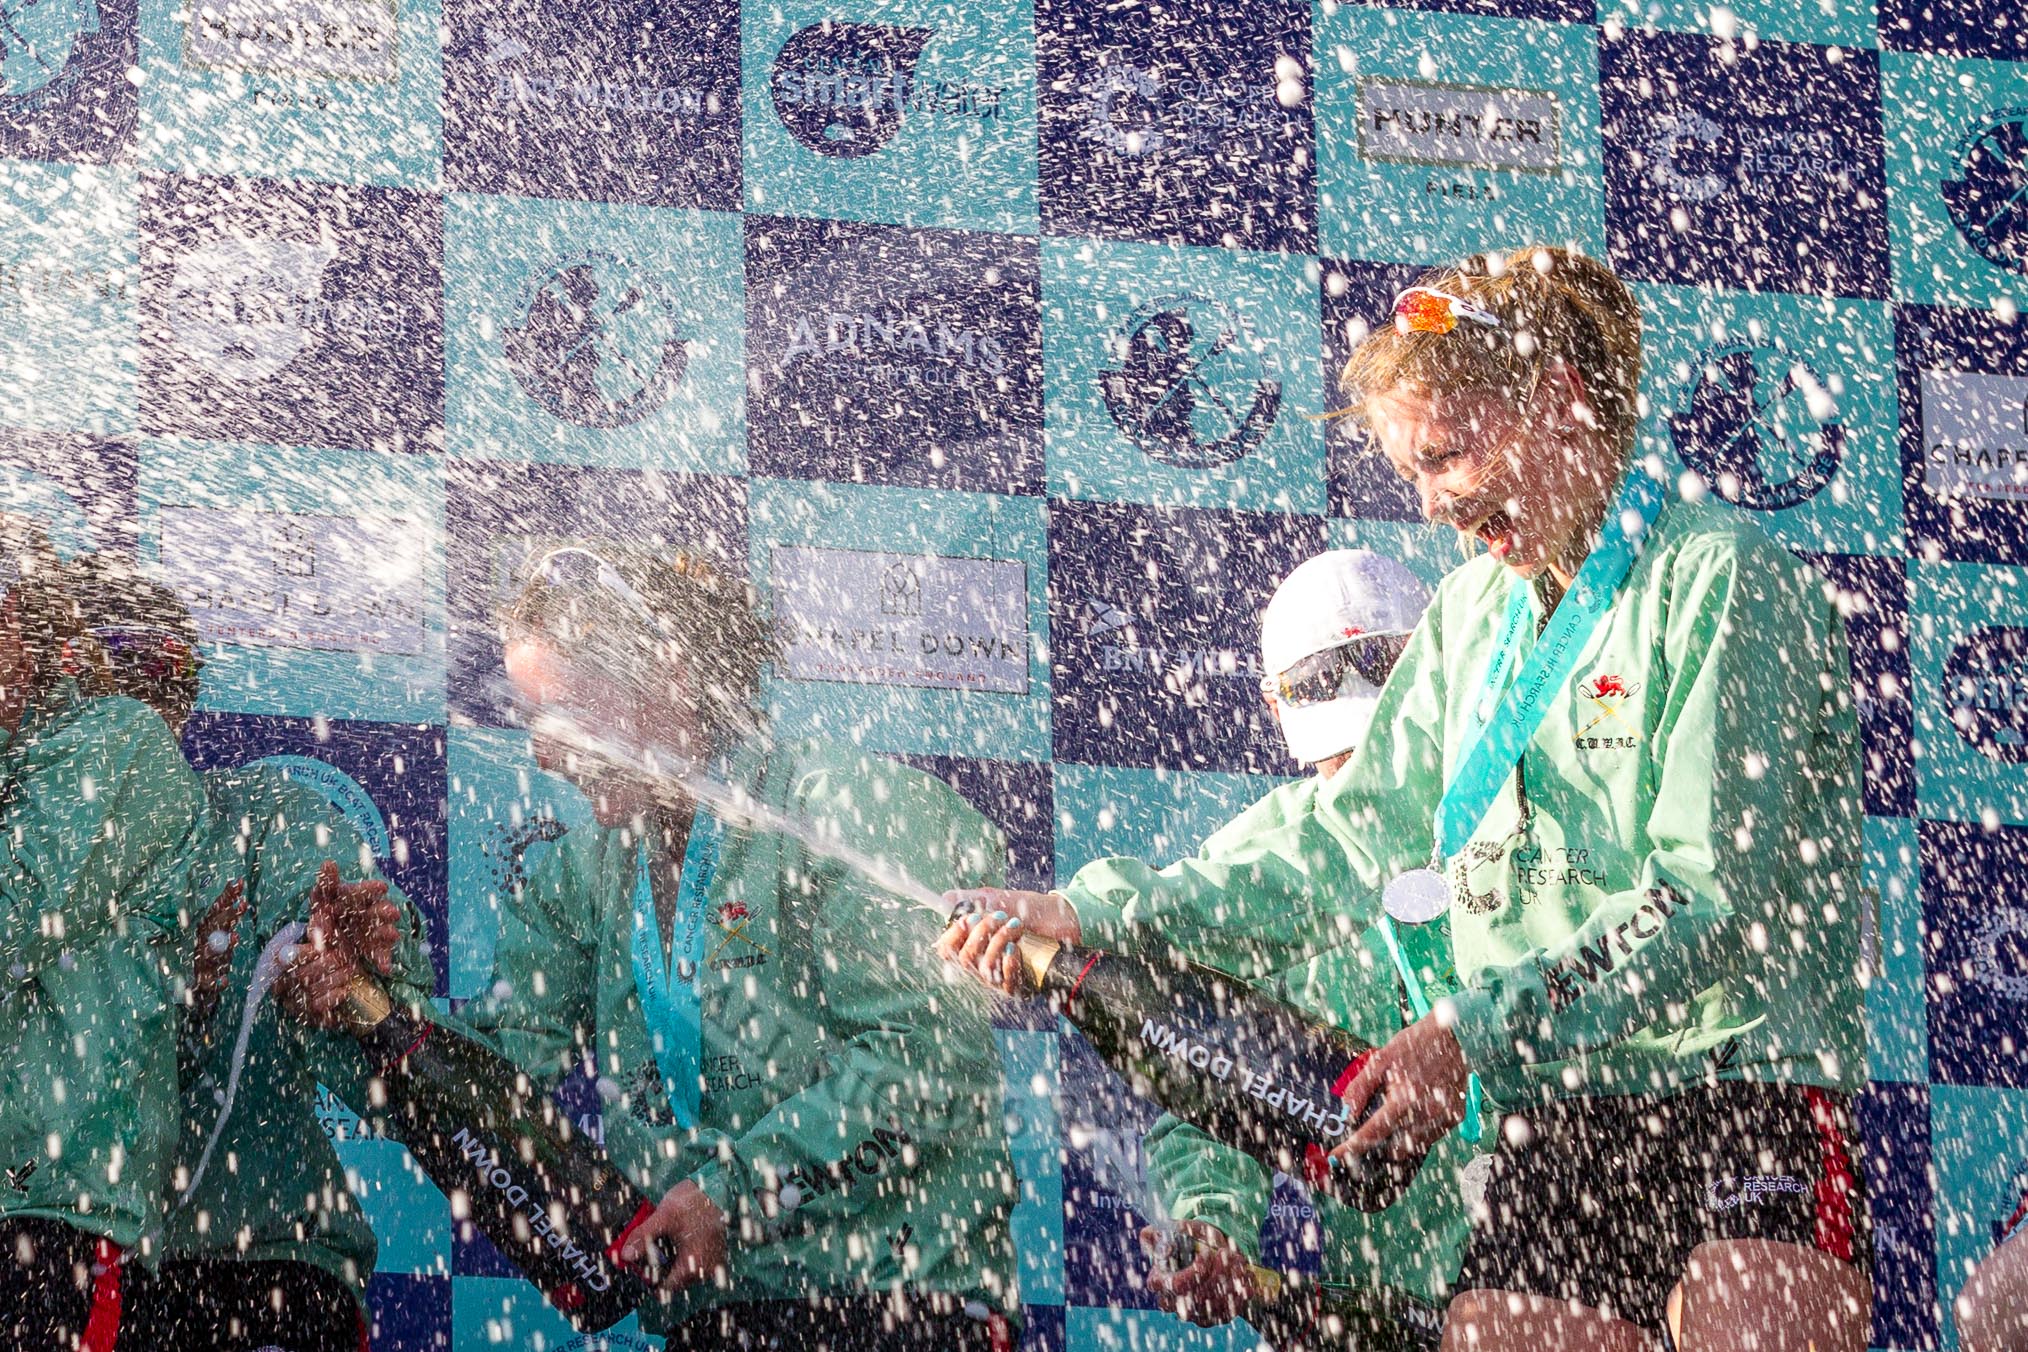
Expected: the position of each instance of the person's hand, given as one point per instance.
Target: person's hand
(1045, 913)
(353, 928)
(693, 1229)
(987, 922)
(1422, 1078)
(217, 937)
(985, 947)
(1216, 1286)
(359, 916)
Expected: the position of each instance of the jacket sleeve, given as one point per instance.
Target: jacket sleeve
(94, 831)
(1256, 893)
(910, 1060)
(544, 992)
(1753, 745)
(1198, 1178)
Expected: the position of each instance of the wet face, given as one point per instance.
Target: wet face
(547, 682)
(1526, 486)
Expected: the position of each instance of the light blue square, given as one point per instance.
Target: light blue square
(1806, 382)
(1942, 116)
(1182, 376)
(411, 1219)
(1030, 1075)
(1978, 1142)
(248, 87)
(1159, 816)
(1127, 1330)
(828, 559)
(914, 112)
(316, 576)
(1897, 1017)
(1978, 613)
(69, 275)
(1828, 23)
(1427, 551)
(582, 333)
(503, 815)
(1440, 135)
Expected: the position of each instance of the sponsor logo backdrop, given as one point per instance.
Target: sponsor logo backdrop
(988, 343)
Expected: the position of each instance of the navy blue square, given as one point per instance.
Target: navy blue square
(1155, 614)
(1042, 1328)
(1873, 595)
(1893, 1122)
(399, 767)
(307, 314)
(625, 101)
(1163, 122)
(1355, 297)
(1961, 378)
(79, 487)
(64, 91)
(1554, 11)
(1764, 173)
(1994, 29)
(1975, 924)
(882, 354)
(497, 511)
(1016, 796)
(409, 1313)
(1103, 1169)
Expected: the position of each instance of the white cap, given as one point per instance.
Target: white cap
(1337, 596)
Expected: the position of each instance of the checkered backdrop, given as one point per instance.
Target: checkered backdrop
(987, 340)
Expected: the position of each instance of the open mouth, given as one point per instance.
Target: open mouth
(1495, 531)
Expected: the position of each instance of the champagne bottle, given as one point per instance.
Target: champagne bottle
(1240, 1065)
(548, 1197)
(1300, 1314)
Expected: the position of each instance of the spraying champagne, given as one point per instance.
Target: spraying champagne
(548, 1197)
(1240, 1065)
(1297, 1313)
(1244, 1067)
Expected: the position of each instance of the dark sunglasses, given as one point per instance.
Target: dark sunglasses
(159, 655)
(1322, 676)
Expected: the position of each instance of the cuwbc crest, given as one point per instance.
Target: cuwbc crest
(843, 89)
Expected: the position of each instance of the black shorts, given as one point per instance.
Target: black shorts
(1604, 1201)
(59, 1287)
(841, 1323)
(232, 1305)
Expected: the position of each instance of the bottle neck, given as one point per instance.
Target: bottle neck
(1037, 956)
(365, 1005)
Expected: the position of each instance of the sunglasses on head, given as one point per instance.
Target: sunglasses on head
(1424, 309)
(574, 565)
(1322, 677)
(149, 651)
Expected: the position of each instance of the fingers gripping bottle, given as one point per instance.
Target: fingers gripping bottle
(1240, 1065)
(546, 1195)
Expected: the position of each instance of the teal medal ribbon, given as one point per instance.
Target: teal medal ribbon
(668, 989)
(1506, 731)
(1508, 722)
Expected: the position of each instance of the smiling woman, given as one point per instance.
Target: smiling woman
(1653, 691)
(1454, 390)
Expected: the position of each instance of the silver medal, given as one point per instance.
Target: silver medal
(1417, 896)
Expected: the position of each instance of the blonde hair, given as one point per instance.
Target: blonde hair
(1553, 304)
(700, 617)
